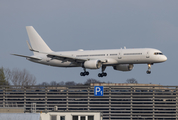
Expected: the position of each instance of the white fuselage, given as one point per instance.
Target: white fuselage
(111, 57)
(119, 59)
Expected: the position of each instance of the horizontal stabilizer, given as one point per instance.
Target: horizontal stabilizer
(31, 57)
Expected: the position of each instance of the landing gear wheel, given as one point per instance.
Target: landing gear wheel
(104, 74)
(148, 72)
(82, 74)
(100, 75)
(87, 73)
(149, 69)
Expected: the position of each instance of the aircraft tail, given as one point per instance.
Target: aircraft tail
(37, 43)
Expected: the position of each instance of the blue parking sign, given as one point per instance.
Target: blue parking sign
(98, 91)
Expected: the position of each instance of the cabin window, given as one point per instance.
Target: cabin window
(158, 53)
(90, 55)
(132, 53)
(113, 54)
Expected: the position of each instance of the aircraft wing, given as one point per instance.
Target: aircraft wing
(70, 58)
(56, 56)
(60, 57)
(31, 57)
(65, 58)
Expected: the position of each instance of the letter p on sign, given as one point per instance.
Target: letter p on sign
(98, 90)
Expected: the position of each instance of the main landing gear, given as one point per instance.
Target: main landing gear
(103, 74)
(84, 73)
(149, 69)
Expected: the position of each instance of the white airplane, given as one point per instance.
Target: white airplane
(119, 59)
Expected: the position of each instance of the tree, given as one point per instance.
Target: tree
(44, 84)
(132, 80)
(79, 84)
(61, 83)
(70, 83)
(92, 81)
(3, 80)
(53, 83)
(20, 77)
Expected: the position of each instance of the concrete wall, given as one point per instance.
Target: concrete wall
(11, 110)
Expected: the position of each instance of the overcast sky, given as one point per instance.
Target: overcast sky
(93, 24)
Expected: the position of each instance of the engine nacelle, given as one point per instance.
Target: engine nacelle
(123, 67)
(92, 64)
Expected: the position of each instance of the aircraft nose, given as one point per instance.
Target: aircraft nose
(164, 58)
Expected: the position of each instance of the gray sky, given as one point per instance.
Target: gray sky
(93, 24)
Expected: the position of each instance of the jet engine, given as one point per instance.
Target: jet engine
(92, 64)
(123, 67)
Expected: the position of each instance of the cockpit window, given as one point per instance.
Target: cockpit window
(158, 53)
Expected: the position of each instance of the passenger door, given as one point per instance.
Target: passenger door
(120, 55)
(148, 54)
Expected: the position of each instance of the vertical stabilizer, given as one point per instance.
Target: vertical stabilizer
(37, 43)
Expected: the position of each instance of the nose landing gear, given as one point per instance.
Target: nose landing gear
(149, 69)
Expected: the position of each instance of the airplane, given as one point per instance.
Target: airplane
(119, 59)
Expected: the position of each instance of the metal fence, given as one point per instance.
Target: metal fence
(118, 102)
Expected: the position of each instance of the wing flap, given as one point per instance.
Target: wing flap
(70, 58)
(65, 58)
